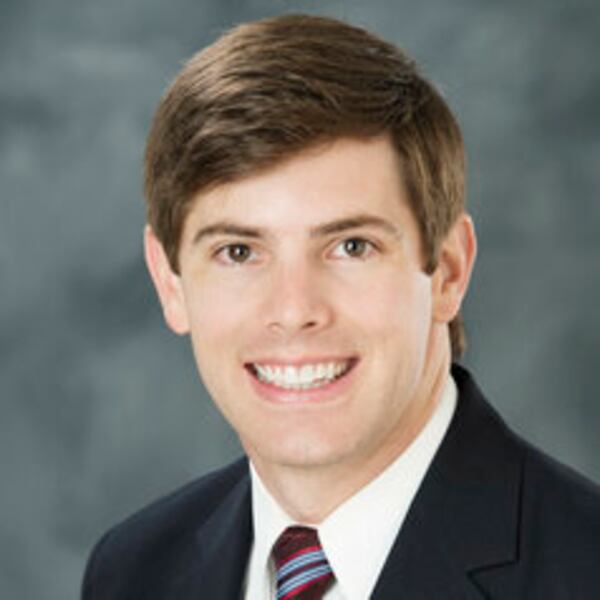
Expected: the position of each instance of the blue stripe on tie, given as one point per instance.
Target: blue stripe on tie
(300, 561)
(303, 578)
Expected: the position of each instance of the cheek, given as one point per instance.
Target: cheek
(213, 329)
(217, 313)
(394, 304)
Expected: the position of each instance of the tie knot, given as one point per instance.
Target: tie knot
(302, 568)
(295, 542)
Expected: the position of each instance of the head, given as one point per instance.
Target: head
(306, 227)
(271, 90)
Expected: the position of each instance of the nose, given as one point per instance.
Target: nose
(297, 299)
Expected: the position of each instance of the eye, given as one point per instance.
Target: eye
(234, 253)
(355, 247)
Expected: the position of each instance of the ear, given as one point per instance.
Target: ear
(167, 283)
(451, 277)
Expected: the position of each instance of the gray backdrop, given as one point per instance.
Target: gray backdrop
(102, 409)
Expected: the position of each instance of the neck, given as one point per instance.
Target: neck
(310, 494)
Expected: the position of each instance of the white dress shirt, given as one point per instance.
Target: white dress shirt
(358, 535)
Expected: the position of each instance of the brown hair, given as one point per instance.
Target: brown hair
(267, 90)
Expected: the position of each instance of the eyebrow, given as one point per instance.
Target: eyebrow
(337, 226)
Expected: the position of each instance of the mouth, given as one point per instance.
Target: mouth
(304, 377)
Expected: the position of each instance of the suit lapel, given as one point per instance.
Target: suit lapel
(220, 550)
(464, 519)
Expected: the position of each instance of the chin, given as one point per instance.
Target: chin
(302, 452)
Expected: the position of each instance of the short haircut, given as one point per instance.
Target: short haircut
(267, 90)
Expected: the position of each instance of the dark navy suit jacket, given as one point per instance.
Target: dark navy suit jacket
(494, 518)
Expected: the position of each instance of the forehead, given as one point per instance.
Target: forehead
(324, 183)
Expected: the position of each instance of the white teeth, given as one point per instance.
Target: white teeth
(306, 374)
(289, 375)
(305, 377)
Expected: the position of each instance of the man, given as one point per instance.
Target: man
(307, 228)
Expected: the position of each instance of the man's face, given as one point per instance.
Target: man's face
(314, 327)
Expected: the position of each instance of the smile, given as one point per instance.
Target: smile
(305, 377)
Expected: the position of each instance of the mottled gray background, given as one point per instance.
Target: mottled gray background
(102, 410)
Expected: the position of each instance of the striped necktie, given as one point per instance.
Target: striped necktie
(303, 572)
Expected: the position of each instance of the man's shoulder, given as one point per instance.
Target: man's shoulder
(559, 501)
(197, 499)
(557, 550)
(550, 480)
(547, 483)
(156, 530)
(530, 524)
